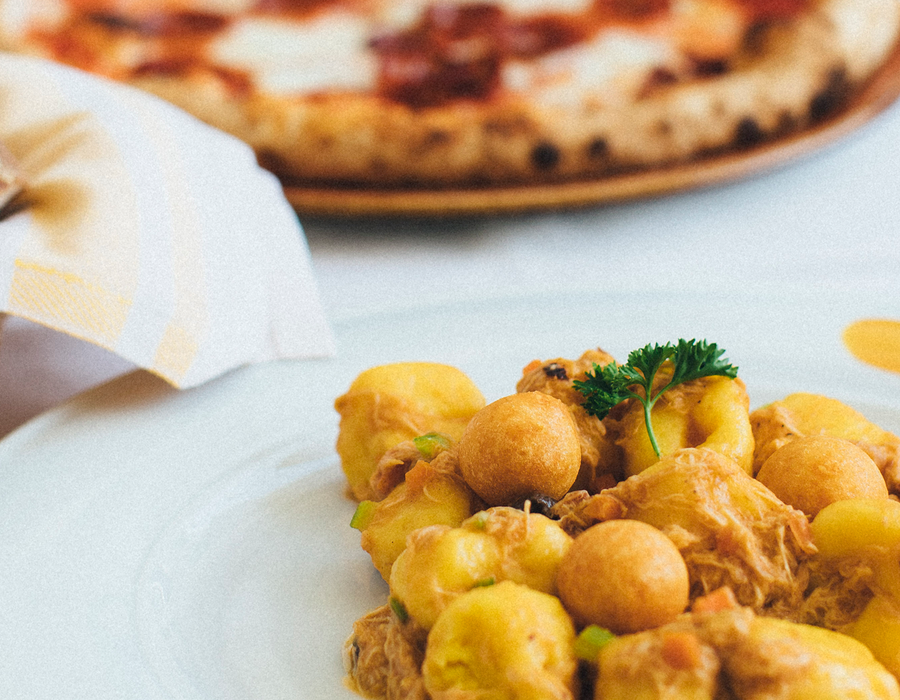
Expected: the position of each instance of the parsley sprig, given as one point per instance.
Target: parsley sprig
(608, 385)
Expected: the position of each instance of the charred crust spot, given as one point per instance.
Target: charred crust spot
(545, 156)
(748, 133)
(831, 97)
(755, 38)
(508, 125)
(658, 78)
(709, 68)
(431, 140)
(113, 22)
(436, 137)
(786, 123)
(556, 371)
(163, 24)
(597, 148)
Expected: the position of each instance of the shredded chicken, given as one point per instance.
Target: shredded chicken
(384, 660)
(837, 594)
(365, 661)
(392, 468)
(398, 460)
(730, 529)
(729, 653)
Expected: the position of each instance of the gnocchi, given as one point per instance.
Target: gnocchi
(508, 642)
(534, 550)
(388, 404)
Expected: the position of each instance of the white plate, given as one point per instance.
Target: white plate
(162, 544)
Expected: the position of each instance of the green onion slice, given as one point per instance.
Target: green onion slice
(591, 640)
(431, 445)
(363, 515)
(399, 610)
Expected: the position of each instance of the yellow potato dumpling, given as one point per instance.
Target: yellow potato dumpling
(878, 627)
(502, 642)
(439, 564)
(850, 527)
(531, 545)
(863, 530)
(712, 412)
(520, 446)
(442, 563)
(668, 663)
(388, 404)
(426, 497)
(811, 472)
(623, 575)
(816, 664)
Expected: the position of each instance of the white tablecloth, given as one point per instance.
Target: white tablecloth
(830, 220)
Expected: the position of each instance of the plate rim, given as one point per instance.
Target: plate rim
(876, 94)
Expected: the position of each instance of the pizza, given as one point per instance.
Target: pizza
(461, 93)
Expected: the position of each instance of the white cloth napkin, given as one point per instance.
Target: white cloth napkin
(148, 233)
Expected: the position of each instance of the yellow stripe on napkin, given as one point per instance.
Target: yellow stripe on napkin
(175, 353)
(65, 301)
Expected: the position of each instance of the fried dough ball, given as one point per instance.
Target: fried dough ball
(811, 472)
(504, 642)
(520, 446)
(802, 414)
(623, 575)
(601, 458)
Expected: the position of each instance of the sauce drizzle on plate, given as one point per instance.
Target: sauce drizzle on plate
(875, 341)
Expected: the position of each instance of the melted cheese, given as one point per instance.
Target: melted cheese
(615, 65)
(328, 53)
(17, 17)
(537, 7)
(220, 7)
(401, 14)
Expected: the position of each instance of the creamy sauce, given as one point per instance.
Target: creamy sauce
(876, 342)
